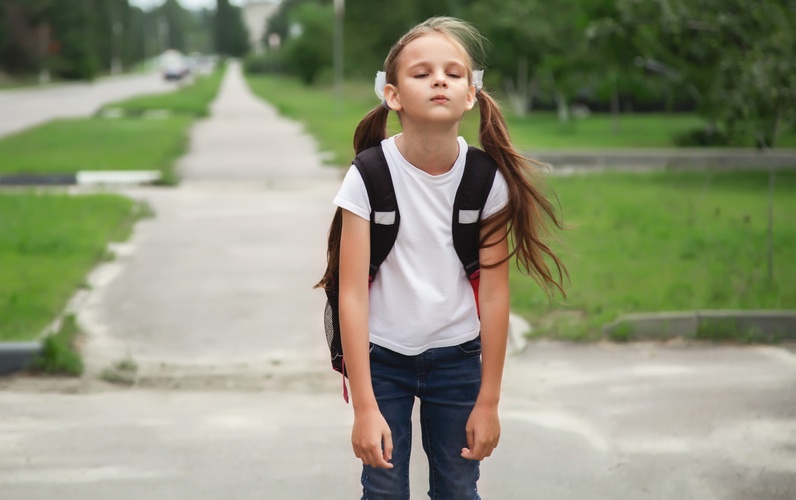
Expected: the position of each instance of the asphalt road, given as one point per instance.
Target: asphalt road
(27, 107)
(233, 399)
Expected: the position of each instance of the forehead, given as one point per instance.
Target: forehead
(433, 48)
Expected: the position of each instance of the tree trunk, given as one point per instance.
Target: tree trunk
(615, 111)
(518, 94)
(563, 107)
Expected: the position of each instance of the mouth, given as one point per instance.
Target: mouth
(439, 99)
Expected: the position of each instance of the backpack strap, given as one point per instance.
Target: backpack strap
(384, 215)
(468, 205)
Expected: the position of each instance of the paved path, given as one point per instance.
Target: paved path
(224, 274)
(213, 300)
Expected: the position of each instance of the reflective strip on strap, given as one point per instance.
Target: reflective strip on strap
(469, 216)
(384, 218)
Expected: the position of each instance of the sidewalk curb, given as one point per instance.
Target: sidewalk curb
(673, 158)
(84, 178)
(755, 325)
(16, 356)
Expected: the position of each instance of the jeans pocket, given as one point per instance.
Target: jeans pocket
(471, 347)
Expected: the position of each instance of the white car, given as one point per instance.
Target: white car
(173, 65)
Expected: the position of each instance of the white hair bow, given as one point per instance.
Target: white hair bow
(381, 82)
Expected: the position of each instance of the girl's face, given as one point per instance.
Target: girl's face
(433, 81)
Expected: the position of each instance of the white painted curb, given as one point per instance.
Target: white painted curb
(94, 177)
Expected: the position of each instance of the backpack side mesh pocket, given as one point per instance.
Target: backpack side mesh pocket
(331, 325)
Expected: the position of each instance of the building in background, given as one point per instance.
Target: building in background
(255, 16)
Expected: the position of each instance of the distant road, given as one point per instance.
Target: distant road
(27, 107)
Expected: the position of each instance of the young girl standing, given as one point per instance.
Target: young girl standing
(416, 332)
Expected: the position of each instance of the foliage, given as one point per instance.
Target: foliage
(231, 35)
(738, 63)
(308, 52)
(735, 64)
(59, 354)
(85, 37)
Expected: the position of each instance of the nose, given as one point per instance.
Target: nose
(440, 79)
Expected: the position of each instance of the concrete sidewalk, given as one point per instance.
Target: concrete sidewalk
(234, 399)
(223, 275)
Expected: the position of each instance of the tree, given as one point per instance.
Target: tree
(516, 37)
(308, 50)
(739, 64)
(231, 35)
(175, 19)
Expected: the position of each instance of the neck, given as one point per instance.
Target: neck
(433, 152)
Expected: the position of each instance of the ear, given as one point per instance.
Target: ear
(471, 100)
(392, 98)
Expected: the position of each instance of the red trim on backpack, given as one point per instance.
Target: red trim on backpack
(345, 387)
(475, 281)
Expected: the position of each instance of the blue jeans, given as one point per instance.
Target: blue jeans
(447, 381)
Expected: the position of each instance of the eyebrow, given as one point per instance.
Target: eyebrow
(428, 63)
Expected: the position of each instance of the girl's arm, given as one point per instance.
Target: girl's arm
(483, 427)
(370, 430)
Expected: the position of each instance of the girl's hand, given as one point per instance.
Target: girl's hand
(370, 433)
(483, 432)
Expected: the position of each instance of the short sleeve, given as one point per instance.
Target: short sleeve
(353, 196)
(498, 197)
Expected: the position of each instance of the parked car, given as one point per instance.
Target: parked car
(174, 65)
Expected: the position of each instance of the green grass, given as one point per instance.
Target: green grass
(329, 122)
(333, 124)
(133, 142)
(67, 146)
(640, 243)
(665, 242)
(48, 244)
(191, 100)
(59, 355)
(542, 130)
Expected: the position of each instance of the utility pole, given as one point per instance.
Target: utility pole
(339, 16)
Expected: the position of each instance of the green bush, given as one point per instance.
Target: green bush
(59, 355)
(701, 137)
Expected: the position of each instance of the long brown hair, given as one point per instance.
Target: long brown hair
(529, 214)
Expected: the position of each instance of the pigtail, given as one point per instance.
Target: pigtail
(529, 214)
(371, 130)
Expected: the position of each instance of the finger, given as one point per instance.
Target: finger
(375, 458)
(387, 446)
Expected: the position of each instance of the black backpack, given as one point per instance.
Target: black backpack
(476, 183)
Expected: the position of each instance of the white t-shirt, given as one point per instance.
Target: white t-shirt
(421, 297)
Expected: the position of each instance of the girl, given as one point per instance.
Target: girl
(416, 333)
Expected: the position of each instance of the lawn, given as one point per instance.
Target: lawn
(47, 248)
(190, 100)
(66, 146)
(135, 141)
(638, 242)
(50, 242)
(666, 242)
(333, 123)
